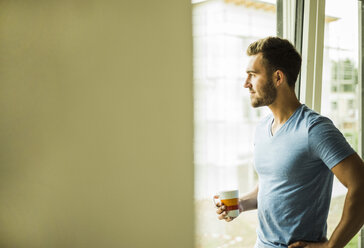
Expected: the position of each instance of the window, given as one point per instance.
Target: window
(340, 67)
(340, 98)
(224, 118)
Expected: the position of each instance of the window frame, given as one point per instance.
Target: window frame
(289, 12)
(361, 92)
(312, 53)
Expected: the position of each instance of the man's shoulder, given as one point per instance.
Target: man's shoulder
(311, 118)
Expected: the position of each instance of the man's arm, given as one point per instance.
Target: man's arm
(246, 202)
(350, 173)
(249, 201)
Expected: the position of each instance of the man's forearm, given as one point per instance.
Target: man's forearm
(249, 201)
(352, 219)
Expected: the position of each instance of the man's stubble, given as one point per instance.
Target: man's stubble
(268, 94)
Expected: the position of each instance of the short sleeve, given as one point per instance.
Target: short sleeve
(327, 143)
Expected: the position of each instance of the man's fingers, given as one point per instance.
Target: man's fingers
(220, 209)
(228, 219)
(222, 215)
(297, 244)
(218, 204)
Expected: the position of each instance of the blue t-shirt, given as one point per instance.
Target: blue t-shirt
(295, 178)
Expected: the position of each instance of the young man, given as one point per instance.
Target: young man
(297, 153)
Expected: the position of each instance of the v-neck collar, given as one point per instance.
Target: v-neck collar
(284, 124)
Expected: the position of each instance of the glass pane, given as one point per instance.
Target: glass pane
(340, 92)
(224, 118)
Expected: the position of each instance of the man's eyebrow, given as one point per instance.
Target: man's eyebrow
(250, 71)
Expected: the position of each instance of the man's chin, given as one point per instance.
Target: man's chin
(261, 103)
(256, 104)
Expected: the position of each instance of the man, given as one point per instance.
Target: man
(297, 152)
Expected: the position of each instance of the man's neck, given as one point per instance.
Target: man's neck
(283, 107)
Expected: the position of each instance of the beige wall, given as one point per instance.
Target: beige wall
(96, 124)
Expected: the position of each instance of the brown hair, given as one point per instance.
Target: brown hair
(278, 54)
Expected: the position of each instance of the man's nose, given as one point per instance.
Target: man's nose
(247, 84)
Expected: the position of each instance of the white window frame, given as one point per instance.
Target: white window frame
(361, 93)
(289, 17)
(312, 53)
(361, 75)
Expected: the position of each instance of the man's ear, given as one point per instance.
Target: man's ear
(279, 77)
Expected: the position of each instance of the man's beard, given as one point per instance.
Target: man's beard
(268, 94)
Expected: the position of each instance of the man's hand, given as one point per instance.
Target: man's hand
(222, 213)
(300, 244)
